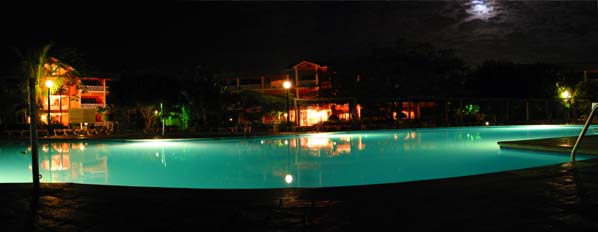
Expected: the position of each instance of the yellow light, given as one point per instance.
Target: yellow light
(317, 142)
(565, 94)
(286, 84)
(316, 116)
(49, 83)
(288, 178)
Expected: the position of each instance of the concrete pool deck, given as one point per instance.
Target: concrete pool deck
(588, 145)
(551, 198)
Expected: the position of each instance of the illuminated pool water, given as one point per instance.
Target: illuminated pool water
(308, 160)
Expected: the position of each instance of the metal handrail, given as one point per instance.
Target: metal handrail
(582, 133)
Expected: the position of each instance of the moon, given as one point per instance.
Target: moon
(481, 9)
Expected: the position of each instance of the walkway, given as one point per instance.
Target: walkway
(588, 145)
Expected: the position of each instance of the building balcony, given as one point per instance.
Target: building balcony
(94, 88)
(244, 87)
(91, 105)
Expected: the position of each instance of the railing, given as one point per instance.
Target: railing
(583, 133)
(91, 105)
(95, 88)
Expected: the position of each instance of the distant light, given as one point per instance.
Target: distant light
(156, 112)
(286, 84)
(288, 178)
(49, 83)
(487, 123)
(565, 94)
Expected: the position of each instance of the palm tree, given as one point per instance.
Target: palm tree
(33, 69)
(37, 68)
(62, 74)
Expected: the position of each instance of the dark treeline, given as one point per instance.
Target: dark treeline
(421, 70)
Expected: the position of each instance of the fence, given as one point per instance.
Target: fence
(495, 111)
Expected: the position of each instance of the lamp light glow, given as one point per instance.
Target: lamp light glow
(566, 94)
(49, 83)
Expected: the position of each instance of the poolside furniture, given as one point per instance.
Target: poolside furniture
(83, 132)
(65, 131)
(8, 132)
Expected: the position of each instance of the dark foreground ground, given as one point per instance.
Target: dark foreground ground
(553, 198)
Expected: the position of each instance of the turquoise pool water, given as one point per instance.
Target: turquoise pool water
(307, 160)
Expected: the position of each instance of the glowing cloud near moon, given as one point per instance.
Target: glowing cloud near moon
(481, 9)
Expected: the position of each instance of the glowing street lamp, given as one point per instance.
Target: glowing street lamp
(49, 84)
(287, 85)
(565, 94)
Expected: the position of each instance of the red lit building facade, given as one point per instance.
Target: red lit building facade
(309, 105)
(306, 107)
(72, 99)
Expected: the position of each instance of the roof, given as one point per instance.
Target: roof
(305, 63)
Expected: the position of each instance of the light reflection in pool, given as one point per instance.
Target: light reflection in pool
(311, 160)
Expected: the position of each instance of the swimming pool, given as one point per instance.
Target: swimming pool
(306, 160)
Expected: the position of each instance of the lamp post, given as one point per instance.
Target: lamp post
(162, 118)
(49, 84)
(287, 85)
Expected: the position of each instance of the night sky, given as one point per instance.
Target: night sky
(269, 36)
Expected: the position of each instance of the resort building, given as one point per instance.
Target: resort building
(68, 99)
(306, 106)
(312, 101)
